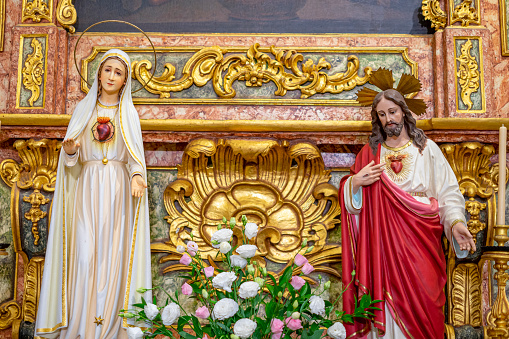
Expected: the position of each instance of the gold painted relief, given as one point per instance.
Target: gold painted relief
(465, 12)
(66, 15)
(33, 281)
(466, 295)
(281, 187)
(222, 69)
(469, 75)
(37, 10)
(474, 225)
(37, 171)
(433, 12)
(36, 199)
(33, 72)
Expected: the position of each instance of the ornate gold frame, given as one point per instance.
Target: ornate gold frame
(20, 71)
(504, 28)
(215, 101)
(481, 74)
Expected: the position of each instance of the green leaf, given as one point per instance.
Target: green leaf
(186, 335)
(197, 327)
(309, 334)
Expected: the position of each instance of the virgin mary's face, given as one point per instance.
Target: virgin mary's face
(112, 76)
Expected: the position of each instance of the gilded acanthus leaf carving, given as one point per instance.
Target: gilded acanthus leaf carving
(475, 225)
(468, 74)
(431, 11)
(33, 280)
(9, 312)
(66, 15)
(466, 295)
(471, 164)
(465, 13)
(33, 72)
(36, 10)
(283, 188)
(38, 167)
(287, 70)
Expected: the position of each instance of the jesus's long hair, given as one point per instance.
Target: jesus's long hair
(378, 134)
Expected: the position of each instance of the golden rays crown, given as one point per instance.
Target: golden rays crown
(382, 78)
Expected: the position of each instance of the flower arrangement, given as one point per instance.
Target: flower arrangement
(243, 300)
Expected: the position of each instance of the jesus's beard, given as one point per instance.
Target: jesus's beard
(393, 129)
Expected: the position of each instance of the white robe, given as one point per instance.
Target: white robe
(427, 175)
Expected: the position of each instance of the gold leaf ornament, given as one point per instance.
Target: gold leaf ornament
(287, 70)
(33, 71)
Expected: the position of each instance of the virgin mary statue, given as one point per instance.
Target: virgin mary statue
(98, 250)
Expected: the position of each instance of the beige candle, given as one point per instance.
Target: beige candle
(502, 140)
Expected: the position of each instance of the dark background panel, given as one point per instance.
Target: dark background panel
(256, 16)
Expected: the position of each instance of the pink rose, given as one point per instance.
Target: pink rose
(202, 312)
(191, 253)
(297, 282)
(277, 326)
(187, 289)
(192, 246)
(300, 260)
(209, 271)
(293, 324)
(307, 268)
(185, 260)
(276, 335)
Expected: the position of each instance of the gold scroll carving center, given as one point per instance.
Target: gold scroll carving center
(66, 15)
(33, 71)
(36, 199)
(36, 10)
(468, 74)
(465, 13)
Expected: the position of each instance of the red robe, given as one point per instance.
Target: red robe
(397, 255)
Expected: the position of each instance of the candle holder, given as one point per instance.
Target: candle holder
(500, 255)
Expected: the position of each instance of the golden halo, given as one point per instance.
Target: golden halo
(122, 22)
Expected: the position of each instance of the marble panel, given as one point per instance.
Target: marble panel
(7, 263)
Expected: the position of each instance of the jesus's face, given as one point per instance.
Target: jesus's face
(391, 117)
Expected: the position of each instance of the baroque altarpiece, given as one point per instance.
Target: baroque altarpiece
(252, 111)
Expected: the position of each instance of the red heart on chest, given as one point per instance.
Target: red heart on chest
(103, 131)
(396, 166)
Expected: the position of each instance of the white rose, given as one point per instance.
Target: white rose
(247, 251)
(224, 281)
(238, 261)
(220, 236)
(248, 289)
(224, 247)
(337, 331)
(170, 313)
(244, 328)
(317, 305)
(134, 333)
(151, 311)
(181, 249)
(224, 309)
(251, 230)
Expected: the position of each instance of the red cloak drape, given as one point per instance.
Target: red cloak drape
(397, 255)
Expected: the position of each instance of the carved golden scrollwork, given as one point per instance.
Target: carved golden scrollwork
(433, 12)
(282, 188)
(33, 72)
(471, 164)
(468, 74)
(9, 312)
(254, 69)
(38, 168)
(465, 13)
(474, 225)
(33, 280)
(466, 295)
(66, 15)
(36, 199)
(37, 10)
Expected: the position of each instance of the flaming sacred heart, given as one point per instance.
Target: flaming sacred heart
(396, 164)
